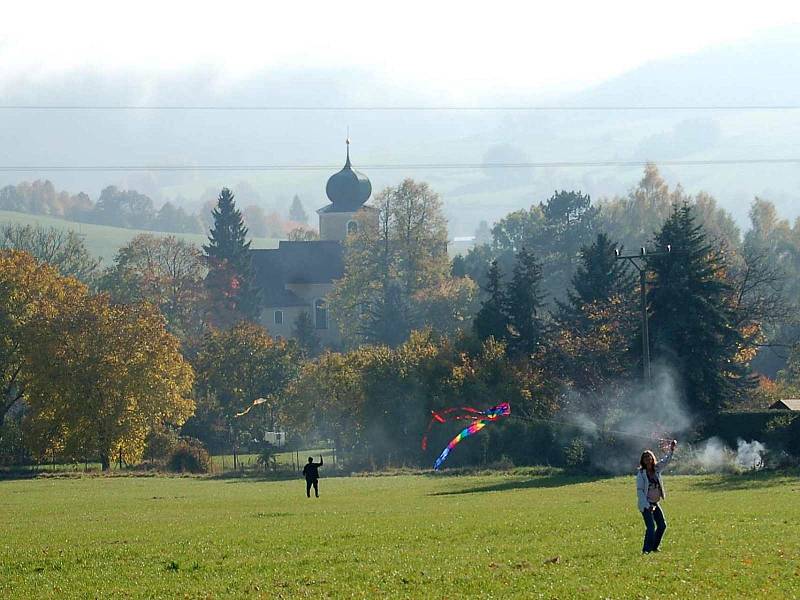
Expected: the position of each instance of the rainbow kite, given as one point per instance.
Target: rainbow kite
(480, 418)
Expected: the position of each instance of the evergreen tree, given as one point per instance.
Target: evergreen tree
(306, 334)
(297, 212)
(599, 278)
(525, 305)
(230, 280)
(492, 318)
(387, 320)
(597, 325)
(692, 323)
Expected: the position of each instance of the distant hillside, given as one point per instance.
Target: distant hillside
(763, 70)
(103, 241)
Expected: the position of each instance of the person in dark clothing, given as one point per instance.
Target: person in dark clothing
(311, 473)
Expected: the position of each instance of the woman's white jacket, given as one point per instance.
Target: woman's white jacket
(642, 482)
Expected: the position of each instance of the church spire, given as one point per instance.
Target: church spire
(347, 141)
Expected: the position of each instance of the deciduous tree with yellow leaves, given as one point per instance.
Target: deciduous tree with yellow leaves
(113, 373)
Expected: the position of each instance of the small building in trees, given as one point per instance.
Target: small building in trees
(297, 276)
(786, 404)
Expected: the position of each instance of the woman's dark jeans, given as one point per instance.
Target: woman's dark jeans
(656, 526)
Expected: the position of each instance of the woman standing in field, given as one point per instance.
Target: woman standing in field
(650, 491)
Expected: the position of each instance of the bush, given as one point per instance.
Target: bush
(575, 455)
(267, 459)
(777, 429)
(189, 456)
(160, 444)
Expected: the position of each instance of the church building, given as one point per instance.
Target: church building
(296, 277)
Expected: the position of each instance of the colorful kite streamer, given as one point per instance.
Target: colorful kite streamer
(468, 431)
(461, 413)
(481, 419)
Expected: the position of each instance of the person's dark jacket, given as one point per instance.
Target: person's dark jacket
(311, 470)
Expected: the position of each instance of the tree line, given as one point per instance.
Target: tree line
(543, 315)
(133, 210)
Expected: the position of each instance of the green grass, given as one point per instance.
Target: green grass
(103, 241)
(516, 535)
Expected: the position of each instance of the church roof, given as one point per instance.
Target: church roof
(348, 189)
(295, 262)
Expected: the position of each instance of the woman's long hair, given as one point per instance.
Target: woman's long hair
(641, 460)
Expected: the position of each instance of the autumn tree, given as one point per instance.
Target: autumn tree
(327, 398)
(397, 273)
(32, 296)
(113, 374)
(62, 249)
(634, 218)
(242, 364)
(167, 272)
(554, 230)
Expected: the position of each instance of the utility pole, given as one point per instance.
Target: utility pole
(639, 261)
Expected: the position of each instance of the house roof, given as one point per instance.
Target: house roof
(786, 404)
(295, 262)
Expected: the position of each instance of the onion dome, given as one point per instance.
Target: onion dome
(348, 189)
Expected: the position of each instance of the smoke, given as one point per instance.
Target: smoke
(714, 456)
(622, 421)
(619, 423)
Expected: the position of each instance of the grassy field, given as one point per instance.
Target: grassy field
(515, 535)
(103, 241)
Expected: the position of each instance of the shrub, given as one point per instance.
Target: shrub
(189, 456)
(267, 459)
(159, 444)
(575, 455)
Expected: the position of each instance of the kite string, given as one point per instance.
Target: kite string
(624, 433)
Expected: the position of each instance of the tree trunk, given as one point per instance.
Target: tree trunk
(105, 462)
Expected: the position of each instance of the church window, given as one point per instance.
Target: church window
(352, 227)
(278, 317)
(321, 314)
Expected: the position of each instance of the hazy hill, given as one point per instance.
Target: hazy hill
(760, 71)
(103, 241)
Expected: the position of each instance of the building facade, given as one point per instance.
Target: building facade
(296, 277)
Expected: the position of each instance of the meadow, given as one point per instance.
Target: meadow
(521, 534)
(103, 241)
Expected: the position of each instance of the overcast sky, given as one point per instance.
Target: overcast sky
(451, 48)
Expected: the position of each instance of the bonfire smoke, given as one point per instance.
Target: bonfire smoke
(627, 419)
(714, 456)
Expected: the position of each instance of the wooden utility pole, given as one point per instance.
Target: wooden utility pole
(639, 261)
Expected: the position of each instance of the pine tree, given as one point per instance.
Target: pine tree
(597, 325)
(232, 289)
(297, 212)
(525, 305)
(599, 278)
(492, 318)
(692, 323)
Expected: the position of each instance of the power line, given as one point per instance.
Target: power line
(400, 166)
(410, 108)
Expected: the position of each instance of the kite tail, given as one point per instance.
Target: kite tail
(465, 433)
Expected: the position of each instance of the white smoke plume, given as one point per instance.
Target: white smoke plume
(619, 423)
(714, 456)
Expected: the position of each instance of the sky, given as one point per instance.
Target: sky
(453, 50)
